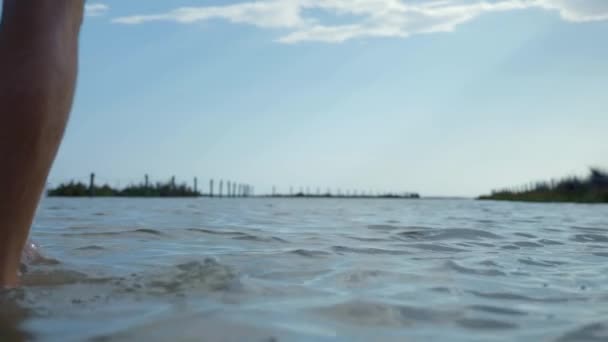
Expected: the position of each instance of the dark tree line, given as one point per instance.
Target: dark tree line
(160, 189)
(592, 189)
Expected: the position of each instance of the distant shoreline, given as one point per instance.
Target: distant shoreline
(146, 189)
(592, 189)
(171, 189)
(329, 196)
(202, 195)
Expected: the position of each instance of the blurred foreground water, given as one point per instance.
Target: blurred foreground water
(313, 270)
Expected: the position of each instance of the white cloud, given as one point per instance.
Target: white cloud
(302, 19)
(578, 10)
(96, 9)
(268, 14)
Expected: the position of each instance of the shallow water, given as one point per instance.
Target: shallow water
(323, 270)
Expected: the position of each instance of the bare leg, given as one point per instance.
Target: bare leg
(38, 65)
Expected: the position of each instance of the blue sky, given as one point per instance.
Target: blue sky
(452, 97)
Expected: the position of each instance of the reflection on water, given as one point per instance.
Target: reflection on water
(327, 270)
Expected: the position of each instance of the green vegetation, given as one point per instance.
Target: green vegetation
(593, 189)
(168, 189)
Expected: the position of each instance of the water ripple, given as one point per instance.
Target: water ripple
(326, 270)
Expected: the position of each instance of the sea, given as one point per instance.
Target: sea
(264, 269)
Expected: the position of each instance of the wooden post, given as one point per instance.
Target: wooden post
(92, 185)
(211, 188)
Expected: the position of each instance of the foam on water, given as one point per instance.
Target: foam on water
(326, 270)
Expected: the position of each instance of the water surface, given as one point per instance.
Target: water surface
(313, 269)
